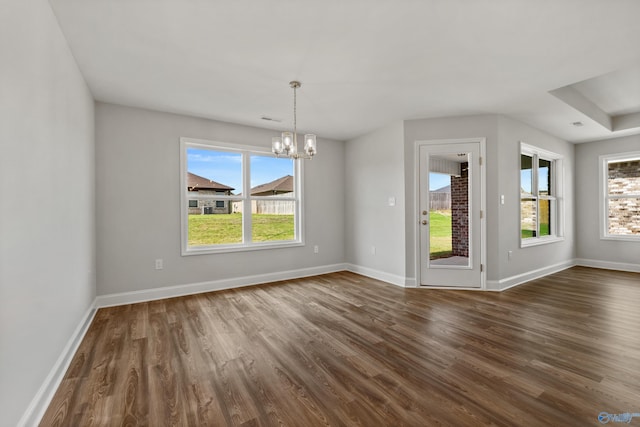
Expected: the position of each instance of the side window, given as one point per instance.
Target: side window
(540, 187)
(620, 203)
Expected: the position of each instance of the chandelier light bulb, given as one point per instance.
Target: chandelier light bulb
(276, 145)
(310, 144)
(287, 141)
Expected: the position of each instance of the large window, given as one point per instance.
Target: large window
(620, 196)
(540, 196)
(237, 198)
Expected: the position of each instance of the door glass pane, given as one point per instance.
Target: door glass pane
(449, 209)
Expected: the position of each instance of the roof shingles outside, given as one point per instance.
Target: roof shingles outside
(197, 182)
(279, 186)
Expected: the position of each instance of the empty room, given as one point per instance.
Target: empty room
(261, 213)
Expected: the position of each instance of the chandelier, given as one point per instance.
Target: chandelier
(287, 144)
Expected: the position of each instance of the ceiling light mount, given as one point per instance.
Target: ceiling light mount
(287, 144)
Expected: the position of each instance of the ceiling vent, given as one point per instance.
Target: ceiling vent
(271, 119)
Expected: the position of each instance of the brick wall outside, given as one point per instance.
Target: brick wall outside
(460, 212)
(209, 204)
(624, 213)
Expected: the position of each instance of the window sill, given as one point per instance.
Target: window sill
(206, 250)
(540, 241)
(623, 238)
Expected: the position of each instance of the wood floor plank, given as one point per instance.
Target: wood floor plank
(345, 350)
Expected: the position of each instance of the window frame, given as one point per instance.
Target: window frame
(556, 190)
(247, 245)
(603, 174)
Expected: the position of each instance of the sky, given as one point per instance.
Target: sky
(525, 179)
(438, 180)
(225, 167)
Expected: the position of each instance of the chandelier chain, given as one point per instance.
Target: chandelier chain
(295, 114)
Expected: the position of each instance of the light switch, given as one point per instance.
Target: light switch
(392, 201)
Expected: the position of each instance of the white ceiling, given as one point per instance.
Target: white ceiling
(362, 64)
(616, 93)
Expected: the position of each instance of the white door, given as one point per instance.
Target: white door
(450, 215)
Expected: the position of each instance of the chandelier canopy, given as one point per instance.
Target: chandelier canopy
(287, 144)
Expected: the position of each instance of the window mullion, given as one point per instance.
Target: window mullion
(246, 203)
(534, 190)
(297, 194)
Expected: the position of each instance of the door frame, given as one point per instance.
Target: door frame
(483, 207)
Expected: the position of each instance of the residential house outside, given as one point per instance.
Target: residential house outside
(201, 186)
(277, 188)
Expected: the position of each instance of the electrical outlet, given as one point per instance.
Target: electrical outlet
(159, 264)
(316, 249)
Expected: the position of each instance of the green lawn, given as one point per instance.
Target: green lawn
(227, 228)
(440, 237)
(544, 231)
(268, 228)
(440, 234)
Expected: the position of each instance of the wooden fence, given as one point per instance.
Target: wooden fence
(439, 201)
(268, 207)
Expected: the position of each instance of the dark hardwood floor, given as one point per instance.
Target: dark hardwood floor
(341, 350)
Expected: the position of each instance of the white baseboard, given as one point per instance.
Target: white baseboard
(379, 275)
(608, 265)
(111, 300)
(510, 282)
(42, 399)
(39, 404)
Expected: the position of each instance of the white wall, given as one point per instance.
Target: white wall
(605, 253)
(47, 244)
(374, 173)
(524, 260)
(138, 203)
(452, 128)
(503, 136)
